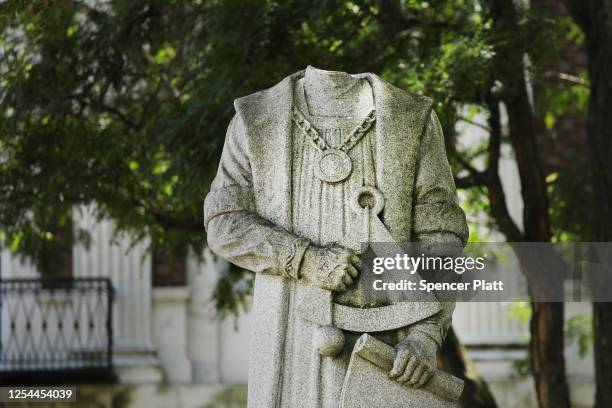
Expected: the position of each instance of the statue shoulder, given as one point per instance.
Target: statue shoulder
(259, 104)
(403, 96)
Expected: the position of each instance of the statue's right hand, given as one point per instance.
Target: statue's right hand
(330, 268)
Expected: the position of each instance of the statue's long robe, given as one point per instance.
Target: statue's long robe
(248, 215)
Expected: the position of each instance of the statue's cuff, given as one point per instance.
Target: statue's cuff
(427, 333)
(440, 217)
(290, 258)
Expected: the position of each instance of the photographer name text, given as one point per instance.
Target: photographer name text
(424, 285)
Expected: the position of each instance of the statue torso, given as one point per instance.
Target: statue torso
(322, 211)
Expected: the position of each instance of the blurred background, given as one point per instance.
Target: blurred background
(112, 119)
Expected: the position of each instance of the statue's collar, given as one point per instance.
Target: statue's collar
(275, 103)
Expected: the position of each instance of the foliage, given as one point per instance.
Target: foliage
(520, 311)
(233, 291)
(125, 104)
(561, 96)
(579, 329)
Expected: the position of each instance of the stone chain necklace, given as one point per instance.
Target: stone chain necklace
(334, 165)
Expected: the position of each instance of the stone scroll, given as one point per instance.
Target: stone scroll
(367, 383)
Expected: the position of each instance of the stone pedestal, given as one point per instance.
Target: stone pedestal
(169, 331)
(203, 328)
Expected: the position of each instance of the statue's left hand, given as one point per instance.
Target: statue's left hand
(415, 362)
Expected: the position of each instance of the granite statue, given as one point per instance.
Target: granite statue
(310, 169)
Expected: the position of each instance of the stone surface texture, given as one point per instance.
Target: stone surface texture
(278, 209)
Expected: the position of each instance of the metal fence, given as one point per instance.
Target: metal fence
(56, 329)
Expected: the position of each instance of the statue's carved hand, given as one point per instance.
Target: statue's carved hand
(415, 362)
(331, 268)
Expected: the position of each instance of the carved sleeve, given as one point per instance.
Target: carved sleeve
(235, 230)
(437, 218)
(436, 210)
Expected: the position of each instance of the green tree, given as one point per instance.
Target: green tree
(125, 104)
(594, 18)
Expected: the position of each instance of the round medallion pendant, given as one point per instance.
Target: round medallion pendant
(334, 166)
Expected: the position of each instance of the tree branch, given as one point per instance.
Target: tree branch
(390, 15)
(573, 79)
(495, 190)
(468, 182)
(122, 117)
(474, 123)
(168, 221)
(474, 173)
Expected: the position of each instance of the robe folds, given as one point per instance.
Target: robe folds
(248, 216)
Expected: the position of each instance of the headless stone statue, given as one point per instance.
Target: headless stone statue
(311, 168)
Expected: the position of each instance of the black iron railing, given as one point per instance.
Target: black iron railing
(56, 329)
